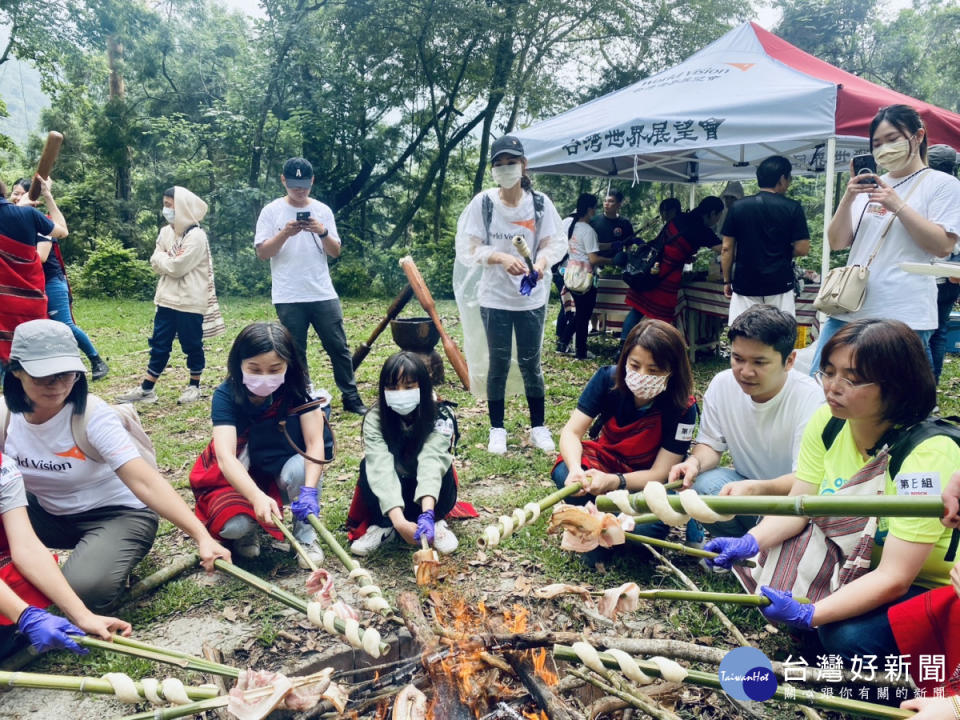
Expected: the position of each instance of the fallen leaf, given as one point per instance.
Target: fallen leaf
(230, 614)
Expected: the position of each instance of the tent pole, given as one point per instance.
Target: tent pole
(693, 197)
(828, 204)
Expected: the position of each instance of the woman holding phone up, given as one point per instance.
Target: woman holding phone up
(908, 214)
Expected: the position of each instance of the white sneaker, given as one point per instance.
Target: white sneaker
(497, 444)
(313, 552)
(444, 541)
(248, 546)
(138, 394)
(372, 539)
(540, 438)
(189, 395)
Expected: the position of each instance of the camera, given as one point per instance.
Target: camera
(303, 217)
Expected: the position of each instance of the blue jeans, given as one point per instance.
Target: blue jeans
(709, 482)
(656, 529)
(833, 325)
(58, 308)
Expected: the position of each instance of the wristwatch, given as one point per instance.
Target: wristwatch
(623, 482)
(323, 234)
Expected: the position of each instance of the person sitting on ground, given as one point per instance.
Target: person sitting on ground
(250, 467)
(757, 411)
(30, 580)
(646, 417)
(59, 297)
(182, 260)
(106, 510)
(407, 482)
(681, 236)
(877, 382)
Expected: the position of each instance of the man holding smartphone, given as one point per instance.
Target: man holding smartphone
(297, 233)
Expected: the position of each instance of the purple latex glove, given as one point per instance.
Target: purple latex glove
(425, 527)
(731, 549)
(305, 504)
(49, 632)
(528, 283)
(783, 608)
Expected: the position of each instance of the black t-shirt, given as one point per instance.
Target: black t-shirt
(765, 227)
(610, 230)
(22, 223)
(52, 269)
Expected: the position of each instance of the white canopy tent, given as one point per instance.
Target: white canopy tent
(715, 116)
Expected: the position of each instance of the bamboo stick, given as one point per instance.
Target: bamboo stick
(693, 552)
(544, 503)
(179, 711)
(281, 595)
(348, 562)
(40, 681)
(712, 597)
(802, 697)
(807, 505)
(641, 702)
(161, 576)
(202, 664)
(294, 543)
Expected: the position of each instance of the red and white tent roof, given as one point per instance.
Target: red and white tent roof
(744, 97)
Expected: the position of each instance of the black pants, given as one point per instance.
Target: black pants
(585, 303)
(501, 327)
(408, 487)
(107, 544)
(326, 317)
(168, 324)
(947, 294)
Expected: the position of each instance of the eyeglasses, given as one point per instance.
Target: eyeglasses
(51, 380)
(823, 378)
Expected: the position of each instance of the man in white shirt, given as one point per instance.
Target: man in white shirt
(296, 233)
(756, 411)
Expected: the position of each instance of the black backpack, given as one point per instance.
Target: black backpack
(642, 269)
(902, 442)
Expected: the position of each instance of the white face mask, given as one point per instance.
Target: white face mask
(402, 402)
(168, 214)
(895, 155)
(506, 176)
(645, 387)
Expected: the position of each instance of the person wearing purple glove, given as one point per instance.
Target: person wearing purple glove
(784, 609)
(876, 381)
(488, 279)
(30, 579)
(306, 504)
(406, 476)
(731, 550)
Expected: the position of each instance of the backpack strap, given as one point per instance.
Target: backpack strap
(4, 422)
(486, 207)
(831, 430)
(78, 428)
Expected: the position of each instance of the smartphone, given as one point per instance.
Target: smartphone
(864, 164)
(303, 216)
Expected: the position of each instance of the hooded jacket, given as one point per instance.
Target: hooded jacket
(182, 257)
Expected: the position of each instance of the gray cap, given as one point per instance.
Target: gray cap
(45, 347)
(942, 157)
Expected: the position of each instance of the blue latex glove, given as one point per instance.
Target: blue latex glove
(305, 504)
(425, 527)
(49, 632)
(528, 283)
(731, 549)
(783, 608)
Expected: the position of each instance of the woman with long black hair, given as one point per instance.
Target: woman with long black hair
(583, 248)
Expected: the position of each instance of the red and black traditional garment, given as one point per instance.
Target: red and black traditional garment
(926, 625)
(21, 289)
(682, 237)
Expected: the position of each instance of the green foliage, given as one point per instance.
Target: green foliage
(115, 271)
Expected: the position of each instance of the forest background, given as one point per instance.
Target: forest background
(394, 101)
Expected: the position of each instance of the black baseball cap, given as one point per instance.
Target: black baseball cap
(298, 172)
(506, 145)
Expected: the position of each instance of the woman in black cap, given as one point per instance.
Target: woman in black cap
(492, 274)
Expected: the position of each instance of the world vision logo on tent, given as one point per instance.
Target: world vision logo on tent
(530, 225)
(741, 66)
(74, 452)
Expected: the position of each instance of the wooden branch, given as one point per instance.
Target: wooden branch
(448, 703)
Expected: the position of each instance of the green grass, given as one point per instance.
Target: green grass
(120, 330)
